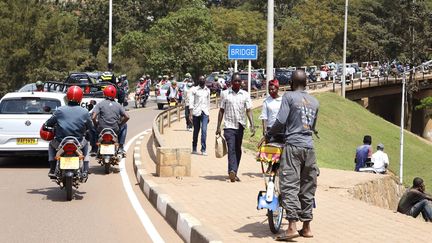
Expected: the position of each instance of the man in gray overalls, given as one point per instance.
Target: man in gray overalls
(298, 170)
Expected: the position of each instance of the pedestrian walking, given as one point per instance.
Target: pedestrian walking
(235, 105)
(271, 106)
(298, 170)
(199, 105)
(186, 94)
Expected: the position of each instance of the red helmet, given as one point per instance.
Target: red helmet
(46, 134)
(74, 93)
(110, 91)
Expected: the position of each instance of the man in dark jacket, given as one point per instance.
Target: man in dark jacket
(415, 201)
(71, 120)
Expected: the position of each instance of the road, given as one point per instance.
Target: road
(34, 208)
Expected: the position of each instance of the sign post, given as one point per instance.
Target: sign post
(243, 52)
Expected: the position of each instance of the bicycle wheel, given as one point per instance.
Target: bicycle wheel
(275, 217)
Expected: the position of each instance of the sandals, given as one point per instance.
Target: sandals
(285, 237)
(302, 234)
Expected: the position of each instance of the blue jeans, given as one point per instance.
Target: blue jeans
(200, 122)
(122, 134)
(424, 207)
(234, 138)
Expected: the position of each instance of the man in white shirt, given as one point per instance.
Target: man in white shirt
(235, 105)
(186, 94)
(380, 159)
(199, 105)
(271, 106)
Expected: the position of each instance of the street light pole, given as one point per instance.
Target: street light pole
(110, 36)
(402, 129)
(344, 49)
(270, 40)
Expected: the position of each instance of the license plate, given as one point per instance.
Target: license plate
(69, 163)
(107, 149)
(27, 141)
(172, 104)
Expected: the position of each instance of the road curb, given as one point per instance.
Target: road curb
(187, 227)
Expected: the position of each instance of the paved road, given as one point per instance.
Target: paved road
(34, 208)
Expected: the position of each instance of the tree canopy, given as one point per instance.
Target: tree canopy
(46, 39)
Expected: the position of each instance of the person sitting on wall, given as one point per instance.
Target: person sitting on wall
(415, 201)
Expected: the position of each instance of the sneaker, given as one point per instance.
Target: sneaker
(52, 175)
(194, 152)
(93, 153)
(232, 176)
(204, 153)
(121, 150)
(190, 129)
(84, 176)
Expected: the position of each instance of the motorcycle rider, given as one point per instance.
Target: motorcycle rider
(110, 114)
(71, 120)
(123, 85)
(39, 86)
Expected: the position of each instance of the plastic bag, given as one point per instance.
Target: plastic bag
(220, 147)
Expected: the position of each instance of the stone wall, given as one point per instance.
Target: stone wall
(173, 162)
(383, 192)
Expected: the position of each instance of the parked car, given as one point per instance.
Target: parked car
(161, 94)
(79, 78)
(21, 117)
(283, 75)
(257, 80)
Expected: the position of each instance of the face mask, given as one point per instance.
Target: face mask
(236, 85)
(189, 85)
(273, 95)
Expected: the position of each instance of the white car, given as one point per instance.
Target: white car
(21, 117)
(161, 94)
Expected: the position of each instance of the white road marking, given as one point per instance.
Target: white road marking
(145, 220)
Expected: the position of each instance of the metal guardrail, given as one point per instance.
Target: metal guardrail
(360, 83)
(167, 117)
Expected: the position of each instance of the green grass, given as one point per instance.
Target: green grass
(342, 125)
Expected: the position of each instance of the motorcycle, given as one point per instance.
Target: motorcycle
(107, 154)
(141, 97)
(69, 166)
(173, 102)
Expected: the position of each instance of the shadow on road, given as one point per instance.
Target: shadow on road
(150, 150)
(23, 162)
(100, 170)
(257, 230)
(55, 194)
(216, 178)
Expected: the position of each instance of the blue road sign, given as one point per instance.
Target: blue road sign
(242, 52)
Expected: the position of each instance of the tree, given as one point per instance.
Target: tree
(184, 41)
(37, 42)
(241, 27)
(306, 37)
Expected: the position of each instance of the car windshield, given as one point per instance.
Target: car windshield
(29, 105)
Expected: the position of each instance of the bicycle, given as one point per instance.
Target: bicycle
(269, 154)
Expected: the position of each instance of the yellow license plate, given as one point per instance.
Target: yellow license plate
(27, 141)
(172, 104)
(107, 149)
(213, 95)
(69, 163)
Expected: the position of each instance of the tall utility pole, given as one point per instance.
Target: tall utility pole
(344, 49)
(270, 40)
(110, 37)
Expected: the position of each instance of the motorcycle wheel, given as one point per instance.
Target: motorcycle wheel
(275, 217)
(107, 168)
(68, 187)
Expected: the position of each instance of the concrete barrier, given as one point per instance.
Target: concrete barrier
(173, 162)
